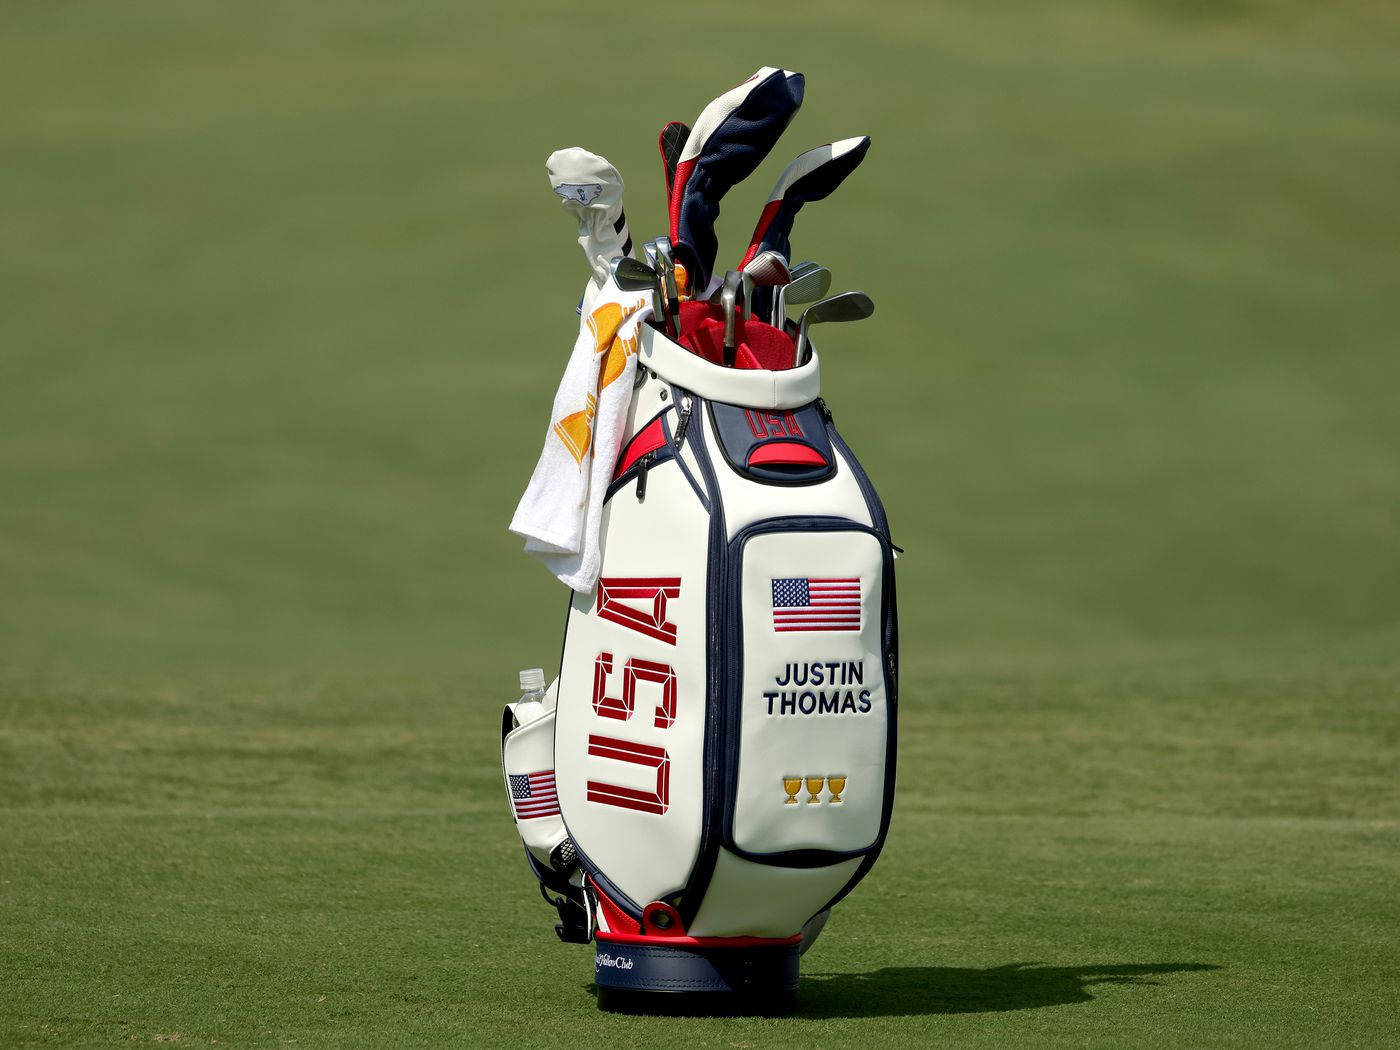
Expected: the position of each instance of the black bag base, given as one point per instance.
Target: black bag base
(662, 979)
(696, 1004)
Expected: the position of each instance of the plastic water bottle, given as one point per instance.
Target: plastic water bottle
(532, 689)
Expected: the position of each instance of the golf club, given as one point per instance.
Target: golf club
(764, 270)
(728, 296)
(633, 276)
(848, 306)
(667, 268)
(809, 283)
(653, 257)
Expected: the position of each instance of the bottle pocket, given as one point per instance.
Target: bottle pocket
(527, 761)
(810, 714)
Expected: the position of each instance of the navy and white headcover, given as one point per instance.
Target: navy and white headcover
(730, 138)
(811, 177)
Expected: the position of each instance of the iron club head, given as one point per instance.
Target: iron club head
(848, 306)
(809, 283)
(632, 275)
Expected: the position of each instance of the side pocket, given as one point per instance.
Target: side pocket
(810, 706)
(527, 760)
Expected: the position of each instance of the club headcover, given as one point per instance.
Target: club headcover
(811, 177)
(730, 138)
(591, 191)
(671, 141)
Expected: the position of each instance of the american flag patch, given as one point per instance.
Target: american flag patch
(803, 604)
(533, 794)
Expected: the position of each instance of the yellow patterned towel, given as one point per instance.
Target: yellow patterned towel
(561, 512)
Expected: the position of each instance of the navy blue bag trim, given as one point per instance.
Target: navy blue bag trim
(677, 394)
(665, 453)
(732, 701)
(711, 833)
(628, 966)
(737, 443)
(625, 904)
(881, 520)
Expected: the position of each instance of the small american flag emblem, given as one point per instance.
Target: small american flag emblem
(533, 794)
(809, 604)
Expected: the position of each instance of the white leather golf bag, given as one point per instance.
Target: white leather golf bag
(714, 767)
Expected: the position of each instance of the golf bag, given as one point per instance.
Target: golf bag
(714, 767)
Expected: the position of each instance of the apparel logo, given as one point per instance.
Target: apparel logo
(793, 786)
(613, 962)
(583, 192)
(772, 424)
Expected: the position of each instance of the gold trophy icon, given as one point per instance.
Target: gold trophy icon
(792, 785)
(838, 785)
(814, 785)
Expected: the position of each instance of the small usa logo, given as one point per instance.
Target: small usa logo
(805, 603)
(533, 794)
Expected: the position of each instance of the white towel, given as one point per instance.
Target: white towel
(561, 513)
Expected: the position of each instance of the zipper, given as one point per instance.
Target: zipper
(644, 465)
(683, 421)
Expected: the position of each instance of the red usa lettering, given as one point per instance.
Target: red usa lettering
(639, 604)
(772, 424)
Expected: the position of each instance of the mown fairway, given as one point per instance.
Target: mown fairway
(284, 297)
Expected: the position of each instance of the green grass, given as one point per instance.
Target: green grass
(283, 300)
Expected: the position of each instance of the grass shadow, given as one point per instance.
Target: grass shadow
(903, 991)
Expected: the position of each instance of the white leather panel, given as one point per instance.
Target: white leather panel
(813, 693)
(633, 805)
(757, 900)
(646, 404)
(529, 749)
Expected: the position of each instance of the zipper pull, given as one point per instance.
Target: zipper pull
(642, 468)
(683, 421)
